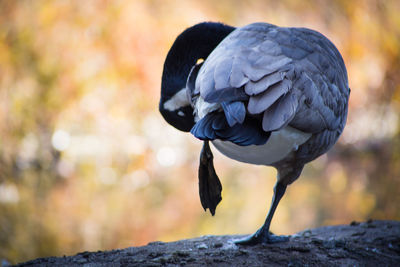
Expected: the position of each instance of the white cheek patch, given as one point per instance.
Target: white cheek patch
(177, 101)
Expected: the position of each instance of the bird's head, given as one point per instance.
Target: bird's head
(177, 111)
(195, 43)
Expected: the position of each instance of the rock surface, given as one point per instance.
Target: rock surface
(358, 244)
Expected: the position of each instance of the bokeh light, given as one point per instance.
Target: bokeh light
(88, 163)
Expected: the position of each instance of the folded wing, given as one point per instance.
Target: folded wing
(274, 77)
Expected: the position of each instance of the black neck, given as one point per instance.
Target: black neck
(194, 43)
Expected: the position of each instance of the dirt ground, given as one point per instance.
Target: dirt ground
(372, 243)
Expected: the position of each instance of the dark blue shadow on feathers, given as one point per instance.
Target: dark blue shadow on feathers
(215, 126)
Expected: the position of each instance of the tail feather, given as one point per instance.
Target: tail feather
(215, 126)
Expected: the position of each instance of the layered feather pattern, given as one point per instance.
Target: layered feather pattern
(214, 126)
(264, 78)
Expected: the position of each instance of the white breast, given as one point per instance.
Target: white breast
(278, 146)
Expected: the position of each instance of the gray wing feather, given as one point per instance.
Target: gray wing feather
(280, 113)
(263, 101)
(205, 82)
(254, 88)
(238, 78)
(294, 75)
(271, 63)
(270, 48)
(222, 73)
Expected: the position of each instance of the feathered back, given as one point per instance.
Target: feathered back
(282, 76)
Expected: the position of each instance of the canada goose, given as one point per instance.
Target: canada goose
(263, 95)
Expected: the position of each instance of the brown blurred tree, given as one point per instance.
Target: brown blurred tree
(87, 163)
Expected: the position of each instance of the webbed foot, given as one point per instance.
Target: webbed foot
(260, 237)
(209, 185)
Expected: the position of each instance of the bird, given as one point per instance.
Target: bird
(261, 94)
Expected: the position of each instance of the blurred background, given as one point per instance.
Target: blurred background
(88, 163)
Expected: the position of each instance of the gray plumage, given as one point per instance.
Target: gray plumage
(291, 76)
(264, 95)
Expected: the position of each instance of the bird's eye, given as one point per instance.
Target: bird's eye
(180, 113)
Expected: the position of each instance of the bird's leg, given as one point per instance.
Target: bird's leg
(263, 235)
(209, 185)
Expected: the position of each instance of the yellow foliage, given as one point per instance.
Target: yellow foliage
(88, 163)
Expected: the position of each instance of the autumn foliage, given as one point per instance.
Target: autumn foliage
(88, 163)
